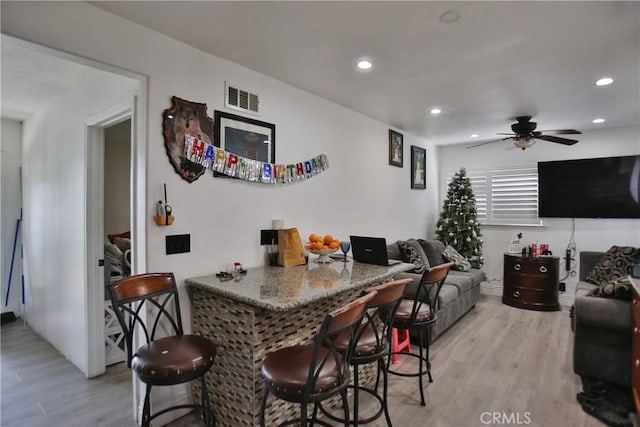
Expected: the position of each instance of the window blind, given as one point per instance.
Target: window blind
(505, 196)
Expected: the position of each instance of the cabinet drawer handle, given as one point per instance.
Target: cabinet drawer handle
(516, 294)
(543, 269)
(635, 329)
(637, 363)
(517, 267)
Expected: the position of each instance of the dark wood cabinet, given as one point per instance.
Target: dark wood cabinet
(531, 283)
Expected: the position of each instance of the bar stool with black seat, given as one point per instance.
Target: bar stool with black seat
(373, 344)
(165, 361)
(312, 373)
(417, 313)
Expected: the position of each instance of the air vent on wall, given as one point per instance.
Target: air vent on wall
(240, 99)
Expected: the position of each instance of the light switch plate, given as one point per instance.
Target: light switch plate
(178, 244)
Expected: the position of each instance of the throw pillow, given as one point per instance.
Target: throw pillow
(433, 249)
(122, 243)
(414, 254)
(620, 288)
(616, 263)
(460, 263)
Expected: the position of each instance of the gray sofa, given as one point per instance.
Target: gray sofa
(602, 349)
(459, 294)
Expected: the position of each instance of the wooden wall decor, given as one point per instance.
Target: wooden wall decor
(185, 118)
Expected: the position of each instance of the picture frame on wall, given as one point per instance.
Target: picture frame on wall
(245, 137)
(396, 148)
(418, 168)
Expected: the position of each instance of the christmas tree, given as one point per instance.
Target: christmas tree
(458, 224)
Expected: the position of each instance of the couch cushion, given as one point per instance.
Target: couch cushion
(413, 253)
(460, 263)
(448, 294)
(477, 275)
(433, 249)
(393, 251)
(616, 263)
(462, 281)
(583, 288)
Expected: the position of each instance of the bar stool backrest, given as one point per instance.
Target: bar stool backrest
(341, 320)
(429, 290)
(154, 294)
(386, 301)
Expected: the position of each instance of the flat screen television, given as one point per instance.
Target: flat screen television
(607, 187)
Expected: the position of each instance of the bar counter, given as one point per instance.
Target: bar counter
(269, 308)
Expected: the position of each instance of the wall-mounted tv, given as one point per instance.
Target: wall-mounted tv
(607, 187)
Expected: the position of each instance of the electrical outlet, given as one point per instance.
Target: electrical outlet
(178, 244)
(562, 287)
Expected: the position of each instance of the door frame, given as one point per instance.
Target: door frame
(95, 126)
(94, 244)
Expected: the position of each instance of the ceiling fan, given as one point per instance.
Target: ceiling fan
(525, 134)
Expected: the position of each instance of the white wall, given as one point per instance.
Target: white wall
(54, 180)
(359, 194)
(590, 234)
(10, 212)
(117, 178)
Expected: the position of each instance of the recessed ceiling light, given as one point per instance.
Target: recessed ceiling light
(474, 135)
(435, 111)
(604, 81)
(449, 17)
(364, 64)
(598, 120)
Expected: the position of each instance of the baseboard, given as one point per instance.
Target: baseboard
(491, 287)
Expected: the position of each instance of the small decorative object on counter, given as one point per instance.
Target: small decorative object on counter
(237, 269)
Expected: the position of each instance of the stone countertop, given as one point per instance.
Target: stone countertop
(281, 289)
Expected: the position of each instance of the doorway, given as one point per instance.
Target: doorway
(117, 228)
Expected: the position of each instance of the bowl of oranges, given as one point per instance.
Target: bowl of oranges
(322, 246)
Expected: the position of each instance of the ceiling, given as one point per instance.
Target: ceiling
(498, 60)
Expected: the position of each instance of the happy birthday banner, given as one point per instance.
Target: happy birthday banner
(219, 160)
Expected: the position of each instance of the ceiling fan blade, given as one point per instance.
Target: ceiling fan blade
(502, 133)
(488, 142)
(563, 131)
(550, 138)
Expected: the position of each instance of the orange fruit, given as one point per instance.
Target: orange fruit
(328, 239)
(313, 237)
(334, 245)
(318, 245)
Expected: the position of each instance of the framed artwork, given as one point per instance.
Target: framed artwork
(418, 168)
(185, 118)
(396, 147)
(245, 137)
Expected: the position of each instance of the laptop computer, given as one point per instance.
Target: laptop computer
(371, 250)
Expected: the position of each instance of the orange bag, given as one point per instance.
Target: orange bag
(290, 248)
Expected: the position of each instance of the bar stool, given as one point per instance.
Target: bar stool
(417, 315)
(399, 341)
(163, 361)
(373, 344)
(314, 372)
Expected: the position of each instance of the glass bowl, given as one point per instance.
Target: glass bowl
(323, 257)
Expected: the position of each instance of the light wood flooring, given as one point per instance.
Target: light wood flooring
(496, 359)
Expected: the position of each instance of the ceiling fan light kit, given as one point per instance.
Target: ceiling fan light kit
(525, 134)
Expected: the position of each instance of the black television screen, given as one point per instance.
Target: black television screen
(607, 187)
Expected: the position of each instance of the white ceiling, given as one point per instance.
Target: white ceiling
(497, 61)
